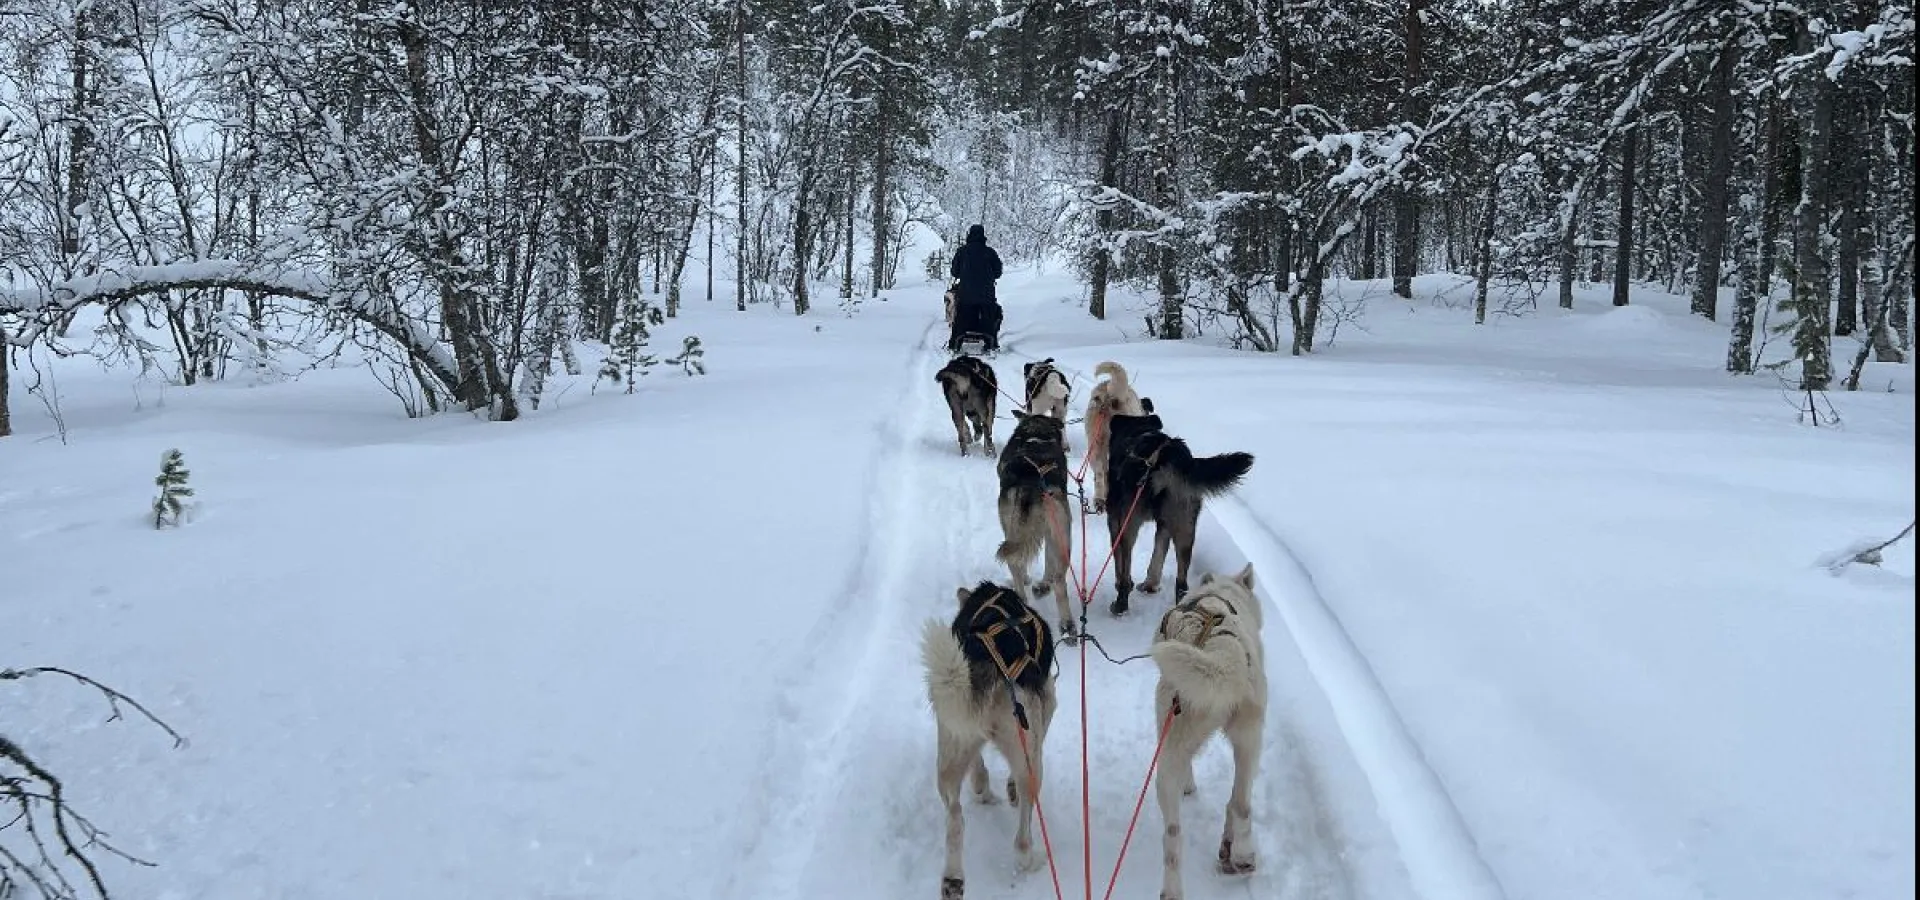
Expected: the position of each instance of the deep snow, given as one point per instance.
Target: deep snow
(1550, 620)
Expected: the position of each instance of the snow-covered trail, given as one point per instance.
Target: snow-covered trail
(854, 812)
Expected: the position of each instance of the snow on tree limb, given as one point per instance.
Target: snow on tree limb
(131, 282)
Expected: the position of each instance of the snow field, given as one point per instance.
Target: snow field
(1549, 619)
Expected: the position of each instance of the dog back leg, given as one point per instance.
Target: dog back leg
(1162, 539)
(1183, 531)
(1026, 769)
(954, 762)
(1017, 550)
(1097, 461)
(959, 421)
(986, 424)
(1237, 850)
(1123, 530)
(1174, 781)
(1059, 557)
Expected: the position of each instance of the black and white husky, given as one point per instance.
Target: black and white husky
(989, 677)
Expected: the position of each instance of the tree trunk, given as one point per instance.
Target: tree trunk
(1483, 244)
(802, 237)
(1623, 235)
(6, 413)
(1850, 174)
(740, 165)
(1714, 190)
(1810, 288)
(882, 211)
(1756, 253)
(1370, 246)
(1103, 218)
(481, 384)
(1406, 206)
(846, 257)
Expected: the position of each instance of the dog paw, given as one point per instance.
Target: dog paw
(1171, 895)
(1118, 607)
(1231, 863)
(1099, 506)
(1042, 589)
(1013, 791)
(1149, 587)
(952, 889)
(1029, 861)
(991, 452)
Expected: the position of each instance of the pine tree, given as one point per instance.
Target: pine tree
(691, 358)
(172, 482)
(630, 336)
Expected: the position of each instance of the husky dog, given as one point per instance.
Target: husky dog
(949, 300)
(971, 389)
(1047, 390)
(1155, 478)
(1213, 665)
(1034, 511)
(1114, 396)
(989, 677)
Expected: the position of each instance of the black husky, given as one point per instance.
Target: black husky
(1152, 476)
(972, 391)
(1034, 511)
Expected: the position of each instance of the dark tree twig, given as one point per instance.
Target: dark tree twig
(40, 811)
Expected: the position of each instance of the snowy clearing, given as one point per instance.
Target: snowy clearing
(1551, 621)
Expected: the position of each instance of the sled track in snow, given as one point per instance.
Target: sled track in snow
(1433, 842)
(853, 752)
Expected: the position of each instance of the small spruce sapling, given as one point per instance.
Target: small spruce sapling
(630, 337)
(172, 482)
(691, 356)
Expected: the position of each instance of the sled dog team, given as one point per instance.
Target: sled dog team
(990, 671)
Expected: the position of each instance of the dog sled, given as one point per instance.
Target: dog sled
(976, 327)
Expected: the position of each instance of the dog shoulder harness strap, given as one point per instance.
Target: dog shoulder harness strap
(1024, 620)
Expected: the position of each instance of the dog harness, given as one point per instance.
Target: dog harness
(1020, 625)
(1209, 622)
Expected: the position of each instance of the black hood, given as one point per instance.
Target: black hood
(977, 234)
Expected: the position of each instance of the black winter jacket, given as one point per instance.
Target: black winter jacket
(977, 266)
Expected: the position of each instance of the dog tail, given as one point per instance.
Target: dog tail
(1211, 476)
(1115, 372)
(1209, 680)
(949, 675)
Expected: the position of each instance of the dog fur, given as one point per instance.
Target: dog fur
(1047, 389)
(1115, 396)
(950, 299)
(1211, 657)
(973, 706)
(1155, 478)
(1034, 511)
(972, 392)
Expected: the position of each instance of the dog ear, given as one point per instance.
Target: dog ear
(1018, 415)
(1245, 577)
(962, 595)
(1146, 403)
(1026, 369)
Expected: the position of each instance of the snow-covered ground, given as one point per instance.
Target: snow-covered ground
(1548, 620)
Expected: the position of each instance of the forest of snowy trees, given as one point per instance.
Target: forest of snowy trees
(465, 188)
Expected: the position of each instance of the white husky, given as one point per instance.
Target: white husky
(995, 651)
(1115, 395)
(1210, 657)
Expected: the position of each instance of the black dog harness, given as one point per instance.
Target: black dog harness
(1012, 635)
